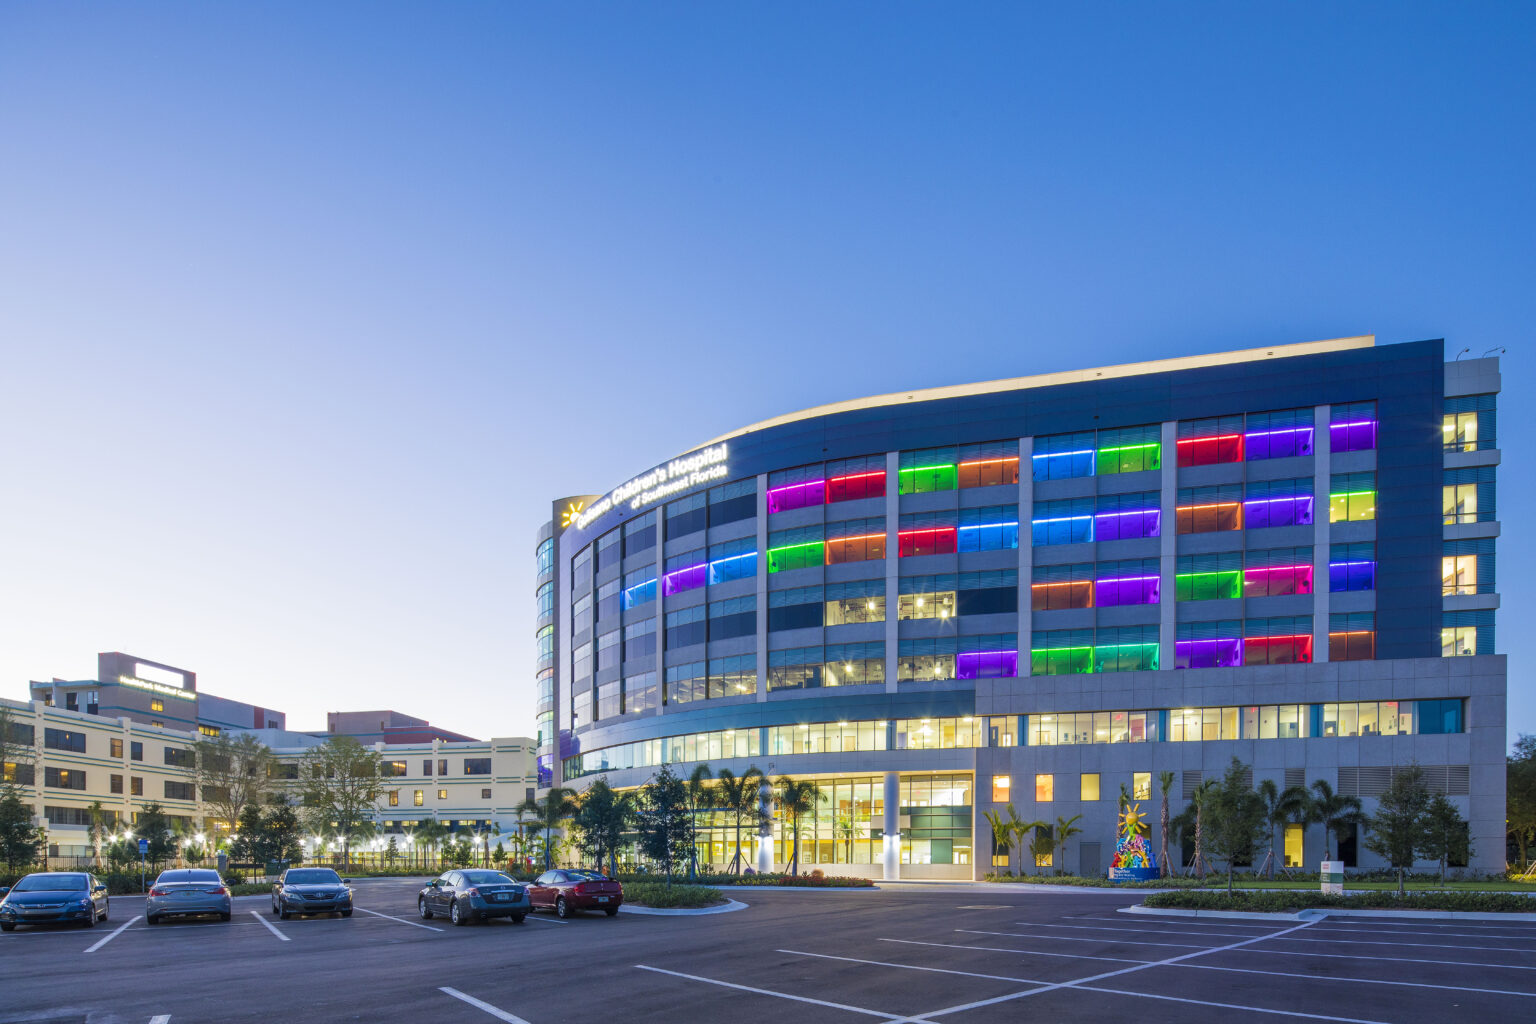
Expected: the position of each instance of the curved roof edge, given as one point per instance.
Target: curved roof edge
(1049, 379)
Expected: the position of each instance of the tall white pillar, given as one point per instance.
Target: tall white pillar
(891, 852)
(765, 833)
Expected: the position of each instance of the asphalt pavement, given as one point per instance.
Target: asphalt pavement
(914, 954)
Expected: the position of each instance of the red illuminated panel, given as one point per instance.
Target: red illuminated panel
(937, 540)
(852, 486)
(1210, 451)
(1277, 650)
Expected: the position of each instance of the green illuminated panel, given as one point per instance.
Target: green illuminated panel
(1060, 661)
(1130, 458)
(796, 556)
(1208, 586)
(921, 479)
(1125, 657)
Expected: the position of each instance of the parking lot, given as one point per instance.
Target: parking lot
(905, 953)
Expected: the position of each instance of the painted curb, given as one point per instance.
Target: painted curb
(796, 888)
(1321, 912)
(725, 908)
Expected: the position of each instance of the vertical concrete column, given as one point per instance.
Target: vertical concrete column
(1026, 557)
(762, 586)
(1167, 616)
(892, 566)
(765, 831)
(890, 855)
(661, 611)
(1322, 473)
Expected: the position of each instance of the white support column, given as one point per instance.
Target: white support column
(1026, 556)
(765, 833)
(892, 567)
(890, 854)
(661, 613)
(1168, 549)
(762, 587)
(1322, 473)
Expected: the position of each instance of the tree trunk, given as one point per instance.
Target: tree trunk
(1271, 852)
(1229, 876)
(1399, 881)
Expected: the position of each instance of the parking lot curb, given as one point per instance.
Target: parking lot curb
(1314, 913)
(798, 888)
(725, 908)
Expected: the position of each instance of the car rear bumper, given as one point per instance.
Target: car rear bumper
(488, 908)
(598, 902)
(170, 907)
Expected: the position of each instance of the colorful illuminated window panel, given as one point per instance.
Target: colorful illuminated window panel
(1277, 581)
(1277, 650)
(922, 472)
(1210, 451)
(796, 488)
(1208, 586)
(1278, 442)
(852, 479)
(1046, 597)
(1351, 506)
(932, 540)
(1136, 657)
(1353, 427)
(986, 664)
(1129, 458)
(1122, 590)
(1219, 652)
(989, 472)
(1209, 517)
(1260, 513)
(1063, 456)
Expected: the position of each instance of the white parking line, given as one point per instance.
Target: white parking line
(1360, 981)
(1020, 952)
(1443, 935)
(1076, 938)
(1224, 1006)
(780, 995)
(108, 938)
(402, 920)
(1390, 959)
(1412, 945)
(544, 920)
(498, 1013)
(1135, 931)
(270, 927)
(910, 967)
(163, 1018)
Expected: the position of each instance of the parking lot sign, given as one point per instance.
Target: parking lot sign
(143, 847)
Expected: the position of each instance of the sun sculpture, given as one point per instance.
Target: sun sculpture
(1133, 856)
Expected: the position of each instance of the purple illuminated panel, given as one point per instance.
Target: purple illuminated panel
(803, 495)
(1278, 444)
(1142, 522)
(1261, 512)
(1119, 590)
(690, 577)
(987, 665)
(1353, 436)
(1207, 653)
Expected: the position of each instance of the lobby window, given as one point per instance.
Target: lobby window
(640, 534)
(802, 487)
(1278, 503)
(854, 664)
(1352, 567)
(1352, 427)
(1211, 644)
(1469, 423)
(1058, 587)
(796, 608)
(927, 659)
(801, 548)
(1062, 522)
(1129, 450)
(1278, 572)
(990, 464)
(1278, 435)
(1467, 566)
(1209, 509)
(855, 540)
(1089, 786)
(927, 533)
(796, 668)
(733, 502)
(394, 798)
(687, 515)
(732, 560)
(1063, 456)
(1351, 497)
(1127, 516)
(1213, 577)
(1467, 495)
(1283, 640)
(1045, 788)
(1352, 636)
(1001, 785)
(853, 479)
(731, 677)
(989, 528)
(117, 747)
(418, 798)
(117, 783)
(855, 601)
(1061, 652)
(927, 597)
(1141, 785)
(933, 469)
(1134, 581)
(477, 766)
(1126, 649)
(733, 617)
(1210, 442)
(686, 683)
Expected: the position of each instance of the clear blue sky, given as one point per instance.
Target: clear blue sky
(307, 310)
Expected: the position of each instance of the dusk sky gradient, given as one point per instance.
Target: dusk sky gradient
(307, 311)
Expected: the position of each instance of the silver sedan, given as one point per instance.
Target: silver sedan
(187, 891)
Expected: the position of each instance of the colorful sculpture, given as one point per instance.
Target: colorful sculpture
(1134, 860)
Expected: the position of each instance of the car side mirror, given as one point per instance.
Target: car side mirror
(4, 889)
(99, 888)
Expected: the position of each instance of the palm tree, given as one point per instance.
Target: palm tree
(558, 804)
(1198, 800)
(1042, 843)
(697, 793)
(1027, 834)
(1065, 829)
(1002, 832)
(1279, 805)
(432, 832)
(739, 796)
(796, 798)
(1165, 782)
(98, 829)
(847, 831)
(1335, 811)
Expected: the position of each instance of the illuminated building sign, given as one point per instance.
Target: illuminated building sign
(682, 474)
(153, 687)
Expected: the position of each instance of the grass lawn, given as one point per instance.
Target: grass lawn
(1313, 883)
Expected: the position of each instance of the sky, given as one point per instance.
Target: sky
(307, 311)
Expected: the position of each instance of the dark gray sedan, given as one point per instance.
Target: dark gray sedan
(470, 895)
(54, 897)
(183, 892)
(311, 891)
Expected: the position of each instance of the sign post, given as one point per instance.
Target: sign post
(143, 849)
(1333, 877)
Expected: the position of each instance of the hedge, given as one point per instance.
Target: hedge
(1290, 900)
(660, 894)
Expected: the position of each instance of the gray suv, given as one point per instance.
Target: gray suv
(311, 891)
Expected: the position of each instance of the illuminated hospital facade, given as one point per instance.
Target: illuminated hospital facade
(1042, 590)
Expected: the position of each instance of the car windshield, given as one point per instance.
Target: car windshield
(187, 875)
(52, 883)
(587, 876)
(485, 877)
(312, 876)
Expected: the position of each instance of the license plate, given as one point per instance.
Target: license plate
(500, 897)
(602, 899)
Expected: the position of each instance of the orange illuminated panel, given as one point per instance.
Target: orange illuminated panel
(1046, 597)
(989, 472)
(859, 548)
(1210, 517)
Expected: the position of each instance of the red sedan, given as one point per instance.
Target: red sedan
(568, 890)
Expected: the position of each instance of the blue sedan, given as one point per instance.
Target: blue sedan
(54, 897)
(467, 896)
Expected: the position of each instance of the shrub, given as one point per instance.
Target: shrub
(1283, 901)
(813, 880)
(660, 894)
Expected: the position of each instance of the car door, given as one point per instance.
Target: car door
(539, 893)
(442, 895)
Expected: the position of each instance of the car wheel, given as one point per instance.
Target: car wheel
(457, 916)
(282, 910)
(611, 911)
(104, 911)
(151, 919)
(7, 927)
(517, 918)
(562, 908)
(224, 916)
(346, 913)
(90, 922)
(422, 908)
